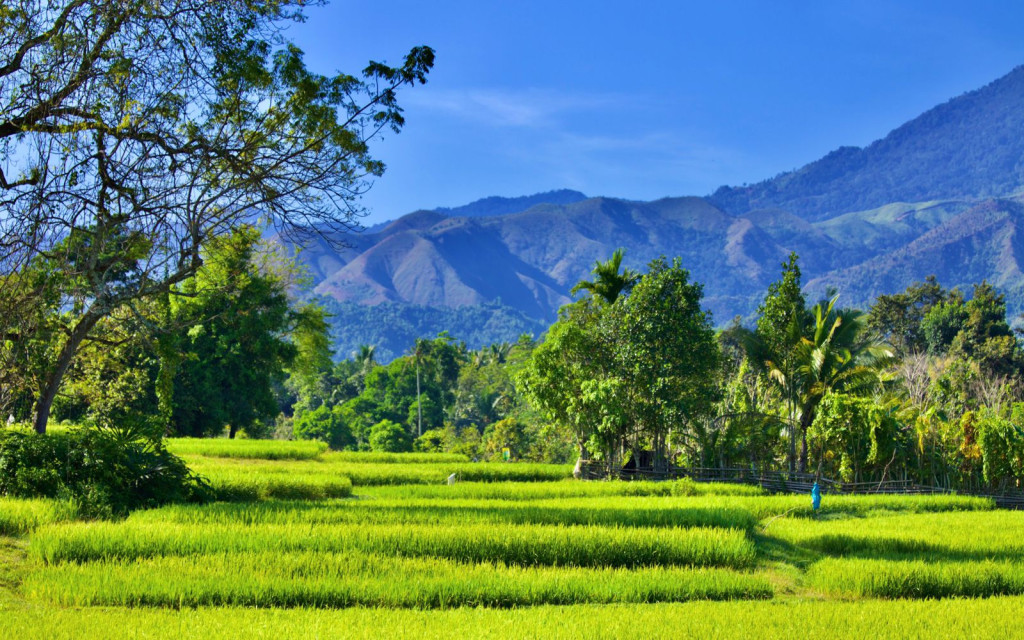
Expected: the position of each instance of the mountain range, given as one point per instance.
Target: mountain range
(941, 194)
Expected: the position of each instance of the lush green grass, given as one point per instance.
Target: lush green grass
(930, 536)
(490, 553)
(19, 516)
(777, 508)
(612, 511)
(297, 450)
(373, 457)
(995, 618)
(243, 448)
(916, 578)
(375, 473)
(567, 488)
(392, 474)
(528, 545)
(265, 579)
(238, 485)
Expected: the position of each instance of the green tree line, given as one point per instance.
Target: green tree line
(926, 385)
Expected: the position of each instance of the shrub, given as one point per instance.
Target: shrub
(465, 441)
(103, 471)
(326, 425)
(506, 434)
(389, 437)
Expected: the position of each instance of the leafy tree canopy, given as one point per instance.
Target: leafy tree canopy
(134, 132)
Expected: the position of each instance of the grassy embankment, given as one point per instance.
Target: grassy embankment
(407, 554)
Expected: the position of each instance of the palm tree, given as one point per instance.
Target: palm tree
(608, 281)
(499, 352)
(366, 357)
(418, 351)
(837, 357)
(831, 353)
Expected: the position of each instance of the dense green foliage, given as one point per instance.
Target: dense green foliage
(139, 133)
(101, 472)
(439, 398)
(208, 358)
(924, 387)
(640, 380)
(393, 327)
(628, 366)
(226, 339)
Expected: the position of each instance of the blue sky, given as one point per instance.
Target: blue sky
(649, 99)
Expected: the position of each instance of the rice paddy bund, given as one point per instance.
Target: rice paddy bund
(308, 543)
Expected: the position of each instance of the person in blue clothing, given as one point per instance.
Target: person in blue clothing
(816, 497)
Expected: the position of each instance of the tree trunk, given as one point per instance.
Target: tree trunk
(792, 437)
(792, 447)
(577, 471)
(48, 393)
(805, 422)
(168, 346)
(419, 405)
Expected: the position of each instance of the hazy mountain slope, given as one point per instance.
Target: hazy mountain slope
(935, 196)
(393, 327)
(970, 147)
(985, 242)
(498, 206)
(530, 260)
(861, 235)
(492, 206)
(451, 264)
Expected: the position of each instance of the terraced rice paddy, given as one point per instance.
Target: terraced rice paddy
(315, 544)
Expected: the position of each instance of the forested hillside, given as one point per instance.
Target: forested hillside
(935, 196)
(969, 147)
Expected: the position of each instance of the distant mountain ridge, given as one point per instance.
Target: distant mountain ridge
(499, 206)
(939, 195)
(968, 147)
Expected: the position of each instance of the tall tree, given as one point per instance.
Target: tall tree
(237, 327)
(135, 131)
(986, 337)
(417, 354)
(942, 323)
(773, 347)
(631, 373)
(896, 319)
(571, 374)
(667, 354)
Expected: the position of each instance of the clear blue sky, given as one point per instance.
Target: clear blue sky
(649, 99)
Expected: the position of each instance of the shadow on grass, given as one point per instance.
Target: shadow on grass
(775, 550)
(892, 548)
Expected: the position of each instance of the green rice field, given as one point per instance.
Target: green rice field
(306, 543)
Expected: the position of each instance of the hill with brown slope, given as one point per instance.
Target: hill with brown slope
(530, 260)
